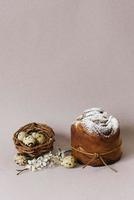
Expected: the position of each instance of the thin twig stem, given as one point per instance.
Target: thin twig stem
(19, 171)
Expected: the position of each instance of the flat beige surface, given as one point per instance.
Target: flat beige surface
(57, 58)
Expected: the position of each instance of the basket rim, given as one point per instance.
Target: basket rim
(20, 144)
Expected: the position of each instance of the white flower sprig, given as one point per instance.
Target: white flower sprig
(40, 162)
(46, 160)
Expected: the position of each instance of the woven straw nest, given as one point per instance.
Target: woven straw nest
(38, 149)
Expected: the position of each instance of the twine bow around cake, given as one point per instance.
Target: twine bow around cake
(94, 156)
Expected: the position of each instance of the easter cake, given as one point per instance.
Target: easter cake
(95, 138)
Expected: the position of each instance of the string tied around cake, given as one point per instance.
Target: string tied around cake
(96, 155)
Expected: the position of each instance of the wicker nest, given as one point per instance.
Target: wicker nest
(38, 149)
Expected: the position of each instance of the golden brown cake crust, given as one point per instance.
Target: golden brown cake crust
(84, 142)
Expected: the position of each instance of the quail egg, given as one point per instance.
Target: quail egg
(68, 162)
(20, 160)
(29, 141)
(21, 135)
(34, 134)
(39, 137)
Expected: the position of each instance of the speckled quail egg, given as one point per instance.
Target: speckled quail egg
(39, 137)
(29, 141)
(21, 135)
(68, 162)
(34, 134)
(20, 160)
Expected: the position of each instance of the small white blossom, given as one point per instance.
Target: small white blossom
(50, 160)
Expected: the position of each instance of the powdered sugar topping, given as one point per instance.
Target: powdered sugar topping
(97, 121)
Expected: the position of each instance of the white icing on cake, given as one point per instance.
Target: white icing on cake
(97, 121)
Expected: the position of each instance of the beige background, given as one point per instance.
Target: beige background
(57, 58)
